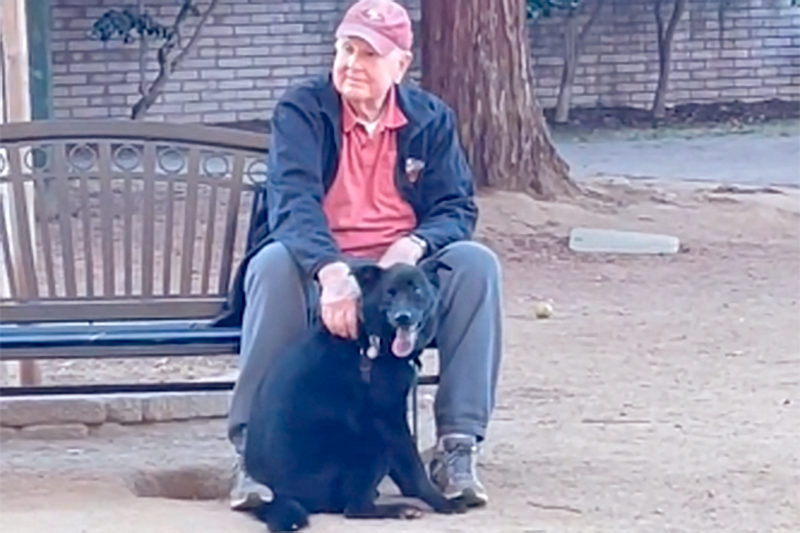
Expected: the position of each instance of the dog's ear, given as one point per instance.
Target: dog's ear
(431, 269)
(367, 276)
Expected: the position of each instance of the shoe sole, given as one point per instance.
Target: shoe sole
(471, 498)
(249, 502)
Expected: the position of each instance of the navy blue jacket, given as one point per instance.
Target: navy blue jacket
(303, 158)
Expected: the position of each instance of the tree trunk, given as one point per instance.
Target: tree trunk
(568, 71)
(665, 37)
(475, 57)
(573, 43)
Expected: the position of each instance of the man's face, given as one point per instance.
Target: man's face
(360, 74)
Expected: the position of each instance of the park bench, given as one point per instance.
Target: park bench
(120, 240)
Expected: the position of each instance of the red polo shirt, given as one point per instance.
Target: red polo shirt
(364, 210)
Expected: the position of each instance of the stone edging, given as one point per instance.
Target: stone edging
(76, 416)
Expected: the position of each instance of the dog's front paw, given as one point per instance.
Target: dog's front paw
(407, 512)
(402, 511)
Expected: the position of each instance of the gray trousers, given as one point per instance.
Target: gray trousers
(469, 340)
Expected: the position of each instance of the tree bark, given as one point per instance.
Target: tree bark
(665, 37)
(475, 56)
(573, 42)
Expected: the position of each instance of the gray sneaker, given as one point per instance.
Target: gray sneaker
(453, 470)
(246, 493)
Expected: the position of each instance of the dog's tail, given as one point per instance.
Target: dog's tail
(282, 514)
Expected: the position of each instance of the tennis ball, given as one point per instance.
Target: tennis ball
(543, 309)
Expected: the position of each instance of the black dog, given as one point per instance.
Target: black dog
(329, 420)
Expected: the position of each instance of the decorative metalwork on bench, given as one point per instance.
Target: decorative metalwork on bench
(125, 219)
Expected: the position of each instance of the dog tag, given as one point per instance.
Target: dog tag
(374, 346)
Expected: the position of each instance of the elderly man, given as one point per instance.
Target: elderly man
(363, 167)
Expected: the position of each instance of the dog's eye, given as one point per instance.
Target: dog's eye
(392, 292)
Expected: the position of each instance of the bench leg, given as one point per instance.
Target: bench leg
(29, 373)
(17, 373)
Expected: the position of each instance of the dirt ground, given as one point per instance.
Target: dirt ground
(661, 396)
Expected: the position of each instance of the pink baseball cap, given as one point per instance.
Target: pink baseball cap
(384, 24)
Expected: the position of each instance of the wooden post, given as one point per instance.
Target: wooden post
(17, 108)
(5, 290)
(15, 56)
(4, 287)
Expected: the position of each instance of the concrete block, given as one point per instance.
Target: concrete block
(166, 407)
(123, 409)
(30, 411)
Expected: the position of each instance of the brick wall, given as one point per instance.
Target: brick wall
(252, 50)
(755, 57)
(248, 53)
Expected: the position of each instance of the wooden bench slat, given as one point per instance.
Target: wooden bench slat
(8, 259)
(234, 195)
(116, 340)
(127, 233)
(112, 335)
(148, 220)
(88, 233)
(190, 218)
(94, 309)
(27, 285)
(122, 351)
(117, 388)
(43, 225)
(87, 130)
(208, 251)
(133, 388)
(106, 221)
(60, 174)
(168, 237)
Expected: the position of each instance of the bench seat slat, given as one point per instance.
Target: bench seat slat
(117, 388)
(119, 340)
(133, 388)
(36, 338)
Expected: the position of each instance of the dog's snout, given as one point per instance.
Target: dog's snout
(402, 318)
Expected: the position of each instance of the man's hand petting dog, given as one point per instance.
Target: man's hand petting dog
(404, 250)
(340, 290)
(339, 300)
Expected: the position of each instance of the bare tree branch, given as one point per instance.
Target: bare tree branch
(659, 25)
(167, 65)
(590, 22)
(573, 41)
(665, 38)
(143, 49)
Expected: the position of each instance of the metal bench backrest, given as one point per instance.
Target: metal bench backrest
(131, 220)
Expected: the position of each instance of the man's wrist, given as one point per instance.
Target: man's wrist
(335, 270)
(419, 241)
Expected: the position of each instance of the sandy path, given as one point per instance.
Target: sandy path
(662, 396)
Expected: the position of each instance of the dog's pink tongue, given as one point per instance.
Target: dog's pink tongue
(403, 343)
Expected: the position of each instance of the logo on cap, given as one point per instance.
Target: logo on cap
(372, 14)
